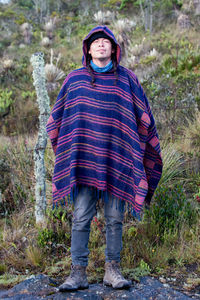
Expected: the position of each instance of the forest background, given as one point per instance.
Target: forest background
(160, 43)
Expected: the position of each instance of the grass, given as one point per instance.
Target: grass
(191, 133)
(8, 280)
(174, 163)
(26, 249)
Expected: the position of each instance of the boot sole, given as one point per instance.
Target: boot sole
(105, 283)
(68, 289)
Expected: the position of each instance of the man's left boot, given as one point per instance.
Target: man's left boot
(113, 276)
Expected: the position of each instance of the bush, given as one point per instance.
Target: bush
(57, 232)
(5, 100)
(181, 61)
(26, 4)
(174, 165)
(21, 19)
(171, 210)
(16, 166)
(8, 13)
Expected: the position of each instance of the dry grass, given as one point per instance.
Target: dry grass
(17, 232)
(180, 247)
(35, 256)
(191, 136)
(189, 250)
(174, 164)
(49, 165)
(18, 189)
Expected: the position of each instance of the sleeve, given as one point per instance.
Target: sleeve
(149, 140)
(55, 118)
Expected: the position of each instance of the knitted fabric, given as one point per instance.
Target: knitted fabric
(98, 69)
(104, 136)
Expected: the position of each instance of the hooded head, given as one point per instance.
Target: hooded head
(100, 31)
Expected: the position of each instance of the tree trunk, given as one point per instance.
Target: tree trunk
(150, 16)
(147, 14)
(146, 9)
(142, 12)
(44, 109)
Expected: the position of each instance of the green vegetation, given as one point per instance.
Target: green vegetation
(171, 209)
(168, 238)
(5, 100)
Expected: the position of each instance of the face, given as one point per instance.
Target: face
(101, 49)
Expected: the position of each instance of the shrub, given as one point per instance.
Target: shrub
(191, 134)
(8, 13)
(16, 163)
(16, 231)
(29, 95)
(21, 19)
(5, 42)
(181, 61)
(26, 3)
(56, 235)
(174, 164)
(171, 210)
(5, 100)
(148, 60)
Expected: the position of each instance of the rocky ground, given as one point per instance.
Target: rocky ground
(43, 287)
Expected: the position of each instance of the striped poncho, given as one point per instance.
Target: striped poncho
(104, 136)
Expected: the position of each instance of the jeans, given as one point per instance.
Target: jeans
(84, 211)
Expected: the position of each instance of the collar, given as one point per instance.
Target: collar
(107, 68)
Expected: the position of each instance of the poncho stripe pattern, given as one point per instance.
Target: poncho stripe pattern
(104, 136)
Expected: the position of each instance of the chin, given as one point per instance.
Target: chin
(102, 58)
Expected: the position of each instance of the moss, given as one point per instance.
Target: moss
(8, 280)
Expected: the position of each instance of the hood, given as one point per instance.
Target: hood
(110, 34)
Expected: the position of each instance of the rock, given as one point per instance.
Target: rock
(43, 287)
(22, 46)
(183, 22)
(5, 1)
(163, 280)
(196, 4)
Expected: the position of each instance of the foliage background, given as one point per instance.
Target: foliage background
(164, 54)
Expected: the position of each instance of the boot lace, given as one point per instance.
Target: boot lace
(75, 272)
(114, 269)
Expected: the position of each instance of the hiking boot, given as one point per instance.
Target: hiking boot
(114, 277)
(76, 280)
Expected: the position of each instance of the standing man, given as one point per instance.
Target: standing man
(106, 146)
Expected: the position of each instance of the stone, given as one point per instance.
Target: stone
(42, 287)
(183, 22)
(196, 4)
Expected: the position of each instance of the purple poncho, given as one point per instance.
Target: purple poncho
(104, 136)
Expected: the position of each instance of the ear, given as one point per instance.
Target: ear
(89, 52)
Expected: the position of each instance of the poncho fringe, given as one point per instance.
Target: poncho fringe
(102, 196)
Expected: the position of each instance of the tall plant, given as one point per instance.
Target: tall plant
(174, 165)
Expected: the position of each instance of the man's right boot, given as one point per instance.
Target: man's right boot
(76, 280)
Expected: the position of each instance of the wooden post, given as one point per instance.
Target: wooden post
(43, 101)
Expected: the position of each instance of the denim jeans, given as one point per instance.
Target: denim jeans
(84, 211)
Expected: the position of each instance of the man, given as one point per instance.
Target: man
(106, 146)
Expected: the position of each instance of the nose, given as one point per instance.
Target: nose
(101, 43)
